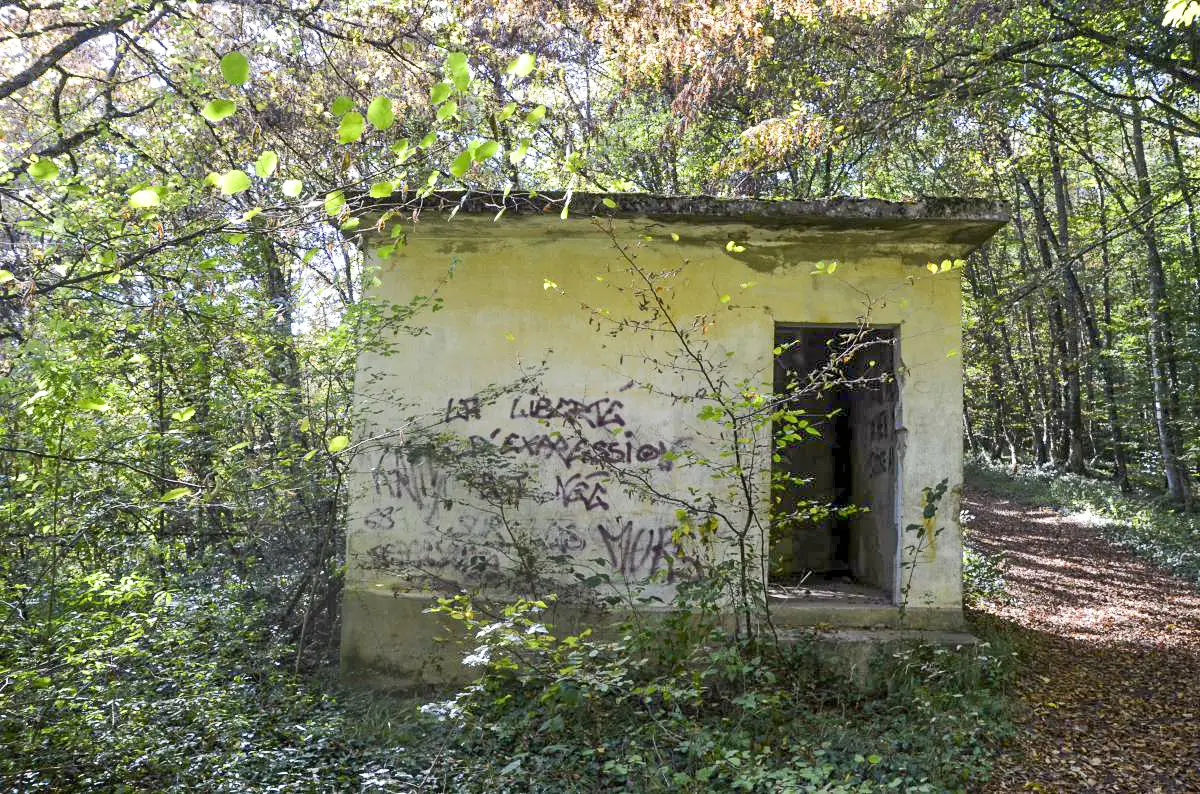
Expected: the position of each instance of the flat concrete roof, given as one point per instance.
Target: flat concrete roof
(698, 207)
(905, 227)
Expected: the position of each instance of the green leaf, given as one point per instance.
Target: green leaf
(506, 111)
(144, 198)
(334, 202)
(341, 104)
(184, 414)
(380, 113)
(1180, 13)
(447, 110)
(535, 116)
(429, 140)
(234, 181)
(522, 66)
(43, 169)
(218, 109)
(235, 68)
(518, 154)
(440, 92)
(351, 127)
(460, 72)
(337, 444)
(606, 201)
(266, 163)
(6, 276)
(292, 187)
(461, 164)
(486, 150)
(175, 493)
(93, 404)
(381, 190)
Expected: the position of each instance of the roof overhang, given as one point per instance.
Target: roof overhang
(917, 231)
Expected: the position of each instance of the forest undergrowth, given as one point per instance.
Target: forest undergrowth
(136, 689)
(132, 689)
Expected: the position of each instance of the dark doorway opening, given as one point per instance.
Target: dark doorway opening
(835, 464)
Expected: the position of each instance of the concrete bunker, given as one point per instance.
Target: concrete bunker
(523, 410)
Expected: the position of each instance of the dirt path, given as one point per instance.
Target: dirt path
(1109, 669)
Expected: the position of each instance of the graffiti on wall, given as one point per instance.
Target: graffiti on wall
(881, 452)
(574, 444)
(602, 413)
(571, 449)
(638, 550)
(634, 548)
(407, 481)
(587, 490)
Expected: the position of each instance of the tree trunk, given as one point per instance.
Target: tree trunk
(1074, 304)
(1120, 465)
(1161, 354)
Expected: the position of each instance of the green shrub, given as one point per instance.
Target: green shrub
(577, 713)
(123, 688)
(982, 573)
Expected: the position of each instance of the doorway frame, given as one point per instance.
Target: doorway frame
(898, 430)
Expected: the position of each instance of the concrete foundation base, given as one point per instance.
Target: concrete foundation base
(851, 652)
(857, 615)
(389, 641)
